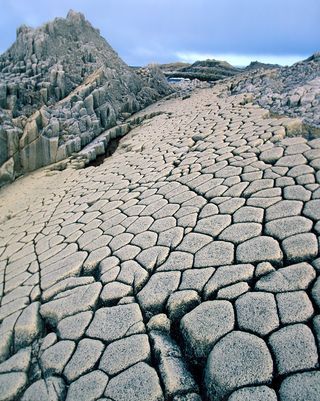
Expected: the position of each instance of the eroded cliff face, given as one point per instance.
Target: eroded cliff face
(61, 85)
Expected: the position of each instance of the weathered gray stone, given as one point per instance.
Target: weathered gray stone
(216, 253)
(28, 326)
(73, 327)
(233, 291)
(240, 232)
(84, 358)
(238, 359)
(54, 359)
(257, 312)
(158, 289)
(51, 388)
(70, 302)
(315, 292)
(259, 393)
(114, 291)
(115, 322)
(88, 387)
(226, 275)
(213, 225)
(300, 247)
(195, 279)
(301, 386)
(181, 302)
(11, 385)
(294, 349)
(124, 353)
(138, 383)
(291, 278)
(17, 363)
(294, 307)
(259, 249)
(159, 322)
(204, 326)
(287, 226)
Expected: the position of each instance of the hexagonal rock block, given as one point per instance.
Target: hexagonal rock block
(294, 349)
(294, 307)
(52, 388)
(112, 323)
(123, 353)
(312, 209)
(240, 232)
(70, 302)
(28, 326)
(138, 383)
(226, 275)
(300, 247)
(301, 386)
(259, 393)
(316, 292)
(259, 249)
(284, 208)
(84, 358)
(54, 359)
(204, 326)
(216, 253)
(271, 155)
(114, 291)
(257, 312)
(88, 387)
(238, 359)
(291, 278)
(177, 260)
(73, 327)
(157, 290)
(11, 385)
(181, 302)
(287, 226)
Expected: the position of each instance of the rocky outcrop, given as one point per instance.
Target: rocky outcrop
(293, 91)
(206, 70)
(61, 85)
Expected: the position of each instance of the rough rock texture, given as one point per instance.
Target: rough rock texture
(61, 85)
(292, 91)
(184, 267)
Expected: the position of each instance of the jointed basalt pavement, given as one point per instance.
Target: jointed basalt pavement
(185, 267)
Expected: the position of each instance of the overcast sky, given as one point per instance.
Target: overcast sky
(146, 31)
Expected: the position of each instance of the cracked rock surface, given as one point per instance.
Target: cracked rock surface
(183, 268)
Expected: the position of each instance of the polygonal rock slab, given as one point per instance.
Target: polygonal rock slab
(11, 385)
(52, 388)
(259, 249)
(301, 386)
(124, 353)
(294, 349)
(226, 275)
(259, 393)
(70, 302)
(204, 326)
(138, 383)
(28, 325)
(290, 278)
(54, 358)
(112, 323)
(84, 358)
(216, 253)
(238, 359)
(294, 307)
(300, 247)
(257, 312)
(156, 292)
(88, 387)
